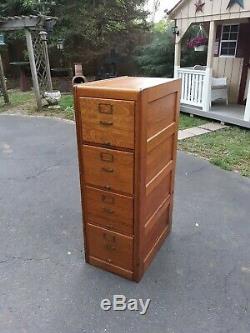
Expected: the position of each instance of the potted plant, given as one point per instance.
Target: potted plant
(198, 43)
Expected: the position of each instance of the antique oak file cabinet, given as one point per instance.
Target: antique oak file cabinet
(127, 136)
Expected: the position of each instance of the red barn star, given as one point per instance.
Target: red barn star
(199, 6)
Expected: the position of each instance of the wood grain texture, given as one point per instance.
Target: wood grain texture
(160, 165)
(109, 169)
(159, 151)
(157, 191)
(127, 190)
(111, 247)
(155, 227)
(110, 267)
(160, 114)
(109, 210)
(108, 121)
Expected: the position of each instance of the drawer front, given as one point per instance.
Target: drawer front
(109, 169)
(110, 247)
(109, 210)
(108, 121)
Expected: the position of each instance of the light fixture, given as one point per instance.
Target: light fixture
(175, 30)
(2, 43)
(43, 36)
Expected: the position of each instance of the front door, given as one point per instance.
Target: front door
(243, 51)
(245, 77)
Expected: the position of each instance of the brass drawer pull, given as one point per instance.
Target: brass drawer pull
(111, 239)
(110, 247)
(110, 242)
(109, 226)
(108, 199)
(106, 157)
(106, 123)
(105, 108)
(108, 170)
(108, 210)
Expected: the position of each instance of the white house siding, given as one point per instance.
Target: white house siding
(215, 10)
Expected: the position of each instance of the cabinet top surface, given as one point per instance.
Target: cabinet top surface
(125, 83)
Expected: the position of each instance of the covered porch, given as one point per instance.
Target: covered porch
(230, 114)
(196, 99)
(230, 70)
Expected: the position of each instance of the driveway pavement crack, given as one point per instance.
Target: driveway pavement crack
(41, 172)
(10, 259)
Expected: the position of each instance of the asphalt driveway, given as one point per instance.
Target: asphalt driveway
(199, 281)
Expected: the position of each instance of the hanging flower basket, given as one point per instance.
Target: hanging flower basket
(200, 48)
(198, 43)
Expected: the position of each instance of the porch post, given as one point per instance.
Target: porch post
(177, 57)
(247, 109)
(209, 70)
(43, 36)
(33, 69)
(3, 83)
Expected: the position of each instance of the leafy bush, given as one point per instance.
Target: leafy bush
(157, 58)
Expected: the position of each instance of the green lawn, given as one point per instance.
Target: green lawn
(66, 102)
(228, 148)
(186, 121)
(25, 102)
(17, 98)
(66, 110)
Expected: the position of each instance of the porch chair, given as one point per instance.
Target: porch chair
(219, 89)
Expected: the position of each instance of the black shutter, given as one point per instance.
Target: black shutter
(243, 40)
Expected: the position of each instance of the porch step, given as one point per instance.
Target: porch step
(199, 130)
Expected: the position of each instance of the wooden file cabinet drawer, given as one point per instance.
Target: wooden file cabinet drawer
(110, 247)
(108, 169)
(109, 210)
(107, 121)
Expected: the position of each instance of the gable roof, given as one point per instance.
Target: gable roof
(177, 6)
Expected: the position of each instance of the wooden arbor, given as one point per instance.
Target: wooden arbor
(36, 39)
(3, 88)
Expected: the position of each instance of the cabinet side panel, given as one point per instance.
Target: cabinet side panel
(162, 114)
(139, 184)
(81, 173)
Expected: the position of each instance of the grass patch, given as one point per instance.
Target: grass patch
(228, 148)
(24, 102)
(17, 98)
(66, 110)
(187, 121)
(66, 102)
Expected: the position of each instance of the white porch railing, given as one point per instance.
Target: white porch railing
(193, 86)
